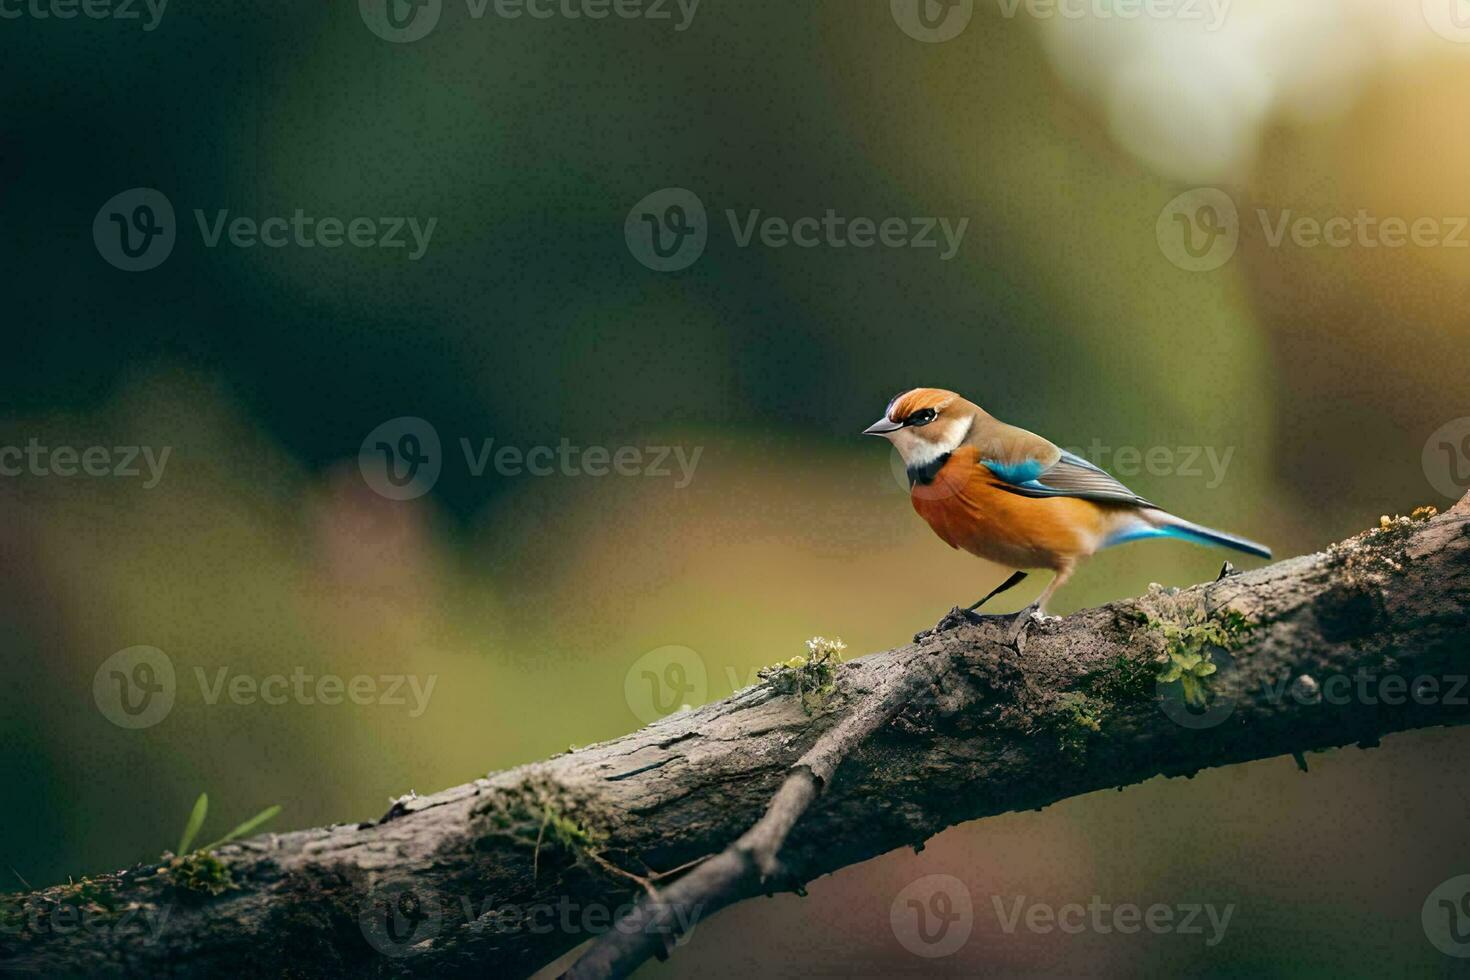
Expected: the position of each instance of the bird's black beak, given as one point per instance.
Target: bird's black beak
(882, 427)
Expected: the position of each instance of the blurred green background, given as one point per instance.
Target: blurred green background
(1318, 374)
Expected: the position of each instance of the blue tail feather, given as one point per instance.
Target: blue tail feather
(1169, 526)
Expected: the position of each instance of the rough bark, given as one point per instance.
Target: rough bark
(505, 874)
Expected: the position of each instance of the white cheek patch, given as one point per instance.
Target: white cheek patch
(917, 450)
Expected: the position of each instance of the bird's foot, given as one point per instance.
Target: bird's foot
(954, 619)
(1025, 618)
(1013, 623)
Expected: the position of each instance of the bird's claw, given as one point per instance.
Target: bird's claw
(1014, 623)
(1031, 614)
(954, 619)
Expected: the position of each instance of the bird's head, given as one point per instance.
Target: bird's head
(925, 423)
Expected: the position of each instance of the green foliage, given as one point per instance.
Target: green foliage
(812, 677)
(240, 830)
(196, 869)
(196, 822)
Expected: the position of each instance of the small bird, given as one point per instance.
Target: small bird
(1014, 498)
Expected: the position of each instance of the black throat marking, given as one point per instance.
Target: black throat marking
(924, 475)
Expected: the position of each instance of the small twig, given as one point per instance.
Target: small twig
(611, 868)
(536, 854)
(661, 875)
(747, 865)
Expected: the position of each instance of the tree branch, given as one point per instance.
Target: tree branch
(509, 872)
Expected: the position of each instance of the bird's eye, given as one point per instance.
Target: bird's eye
(923, 417)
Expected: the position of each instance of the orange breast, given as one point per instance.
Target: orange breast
(969, 508)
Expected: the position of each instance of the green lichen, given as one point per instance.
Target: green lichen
(90, 894)
(1373, 556)
(95, 899)
(811, 678)
(199, 873)
(545, 817)
(1189, 644)
(1077, 718)
(1124, 681)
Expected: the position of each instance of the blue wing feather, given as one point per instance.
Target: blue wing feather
(1069, 476)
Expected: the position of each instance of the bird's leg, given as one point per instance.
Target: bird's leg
(1010, 583)
(1036, 612)
(961, 616)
